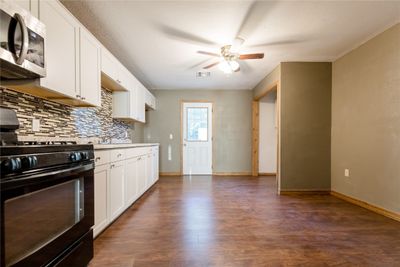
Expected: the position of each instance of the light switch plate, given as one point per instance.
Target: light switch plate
(35, 125)
(171, 136)
(346, 172)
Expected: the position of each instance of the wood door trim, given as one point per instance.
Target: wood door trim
(273, 86)
(255, 137)
(212, 130)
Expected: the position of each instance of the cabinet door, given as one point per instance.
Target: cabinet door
(25, 4)
(155, 164)
(60, 48)
(149, 171)
(124, 77)
(101, 177)
(109, 64)
(141, 174)
(130, 181)
(140, 103)
(116, 184)
(90, 88)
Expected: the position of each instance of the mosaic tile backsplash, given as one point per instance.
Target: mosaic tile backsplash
(57, 120)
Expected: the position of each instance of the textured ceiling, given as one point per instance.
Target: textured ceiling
(158, 40)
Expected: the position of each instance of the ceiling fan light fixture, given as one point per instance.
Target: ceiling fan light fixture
(225, 67)
(234, 65)
(228, 66)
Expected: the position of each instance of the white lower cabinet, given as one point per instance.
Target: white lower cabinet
(130, 181)
(121, 176)
(101, 177)
(141, 174)
(117, 186)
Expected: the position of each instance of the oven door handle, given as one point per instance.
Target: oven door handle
(24, 38)
(32, 178)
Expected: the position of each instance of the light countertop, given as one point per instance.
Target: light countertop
(113, 146)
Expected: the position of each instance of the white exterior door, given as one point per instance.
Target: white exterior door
(197, 138)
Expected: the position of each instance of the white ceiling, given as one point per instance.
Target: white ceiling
(158, 40)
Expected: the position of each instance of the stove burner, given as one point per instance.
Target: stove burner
(45, 143)
(37, 143)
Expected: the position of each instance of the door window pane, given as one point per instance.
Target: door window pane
(197, 124)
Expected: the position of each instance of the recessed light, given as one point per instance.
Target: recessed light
(203, 74)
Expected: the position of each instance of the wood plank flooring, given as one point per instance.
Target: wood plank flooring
(240, 221)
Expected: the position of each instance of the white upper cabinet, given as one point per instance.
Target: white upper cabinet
(89, 68)
(25, 4)
(140, 103)
(61, 54)
(130, 105)
(150, 100)
(72, 57)
(114, 75)
(109, 64)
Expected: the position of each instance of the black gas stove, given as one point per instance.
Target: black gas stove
(47, 200)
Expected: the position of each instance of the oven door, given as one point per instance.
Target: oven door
(22, 43)
(44, 213)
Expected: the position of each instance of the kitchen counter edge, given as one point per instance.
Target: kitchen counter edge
(114, 146)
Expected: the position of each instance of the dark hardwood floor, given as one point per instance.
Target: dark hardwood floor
(240, 221)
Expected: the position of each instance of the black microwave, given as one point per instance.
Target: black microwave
(22, 43)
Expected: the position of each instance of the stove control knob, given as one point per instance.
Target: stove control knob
(10, 165)
(75, 156)
(84, 155)
(34, 161)
(29, 162)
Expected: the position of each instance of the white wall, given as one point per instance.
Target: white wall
(268, 134)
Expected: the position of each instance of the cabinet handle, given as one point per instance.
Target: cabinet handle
(97, 159)
(119, 155)
(83, 98)
(78, 96)
(118, 81)
(112, 166)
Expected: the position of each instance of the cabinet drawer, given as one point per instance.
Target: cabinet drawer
(141, 151)
(101, 157)
(117, 154)
(131, 152)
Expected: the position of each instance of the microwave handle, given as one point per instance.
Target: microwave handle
(25, 39)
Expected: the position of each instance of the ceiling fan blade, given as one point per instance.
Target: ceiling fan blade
(211, 65)
(208, 53)
(251, 56)
(180, 35)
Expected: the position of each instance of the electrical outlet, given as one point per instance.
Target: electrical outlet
(35, 125)
(346, 172)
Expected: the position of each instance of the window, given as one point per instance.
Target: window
(197, 124)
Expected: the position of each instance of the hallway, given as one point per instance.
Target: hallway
(241, 221)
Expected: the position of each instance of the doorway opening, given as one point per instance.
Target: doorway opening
(196, 137)
(268, 135)
(266, 157)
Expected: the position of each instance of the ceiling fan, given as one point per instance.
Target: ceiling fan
(229, 57)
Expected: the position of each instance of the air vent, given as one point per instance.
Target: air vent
(203, 74)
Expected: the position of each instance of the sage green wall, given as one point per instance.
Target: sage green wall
(137, 135)
(366, 121)
(232, 127)
(267, 82)
(305, 125)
